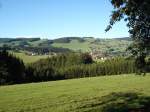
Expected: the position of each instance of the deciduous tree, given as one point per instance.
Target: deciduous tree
(137, 15)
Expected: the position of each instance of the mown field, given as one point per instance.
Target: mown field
(28, 58)
(75, 45)
(77, 95)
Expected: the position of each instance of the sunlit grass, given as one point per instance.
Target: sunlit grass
(29, 58)
(68, 95)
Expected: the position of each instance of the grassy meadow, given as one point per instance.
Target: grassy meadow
(74, 45)
(29, 58)
(76, 95)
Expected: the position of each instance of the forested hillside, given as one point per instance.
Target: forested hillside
(61, 66)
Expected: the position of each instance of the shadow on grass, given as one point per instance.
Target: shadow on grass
(119, 102)
(125, 102)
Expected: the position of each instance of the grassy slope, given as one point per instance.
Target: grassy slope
(68, 95)
(29, 59)
(74, 45)
(103, 45)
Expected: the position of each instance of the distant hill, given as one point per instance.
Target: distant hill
(115, 46)
(68, 39)
(123, 38)
(77, 44)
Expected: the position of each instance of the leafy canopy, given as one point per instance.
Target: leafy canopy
(137, 15)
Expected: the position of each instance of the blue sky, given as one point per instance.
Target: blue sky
(57, 18)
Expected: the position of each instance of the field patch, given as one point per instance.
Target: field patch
(84, 94)
(29, 58)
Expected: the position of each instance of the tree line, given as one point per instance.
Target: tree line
(11, 69)
(62, 66)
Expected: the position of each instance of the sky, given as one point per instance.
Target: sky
(58, 18)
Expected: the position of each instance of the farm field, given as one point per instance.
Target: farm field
(75, 95)
(29, 59)
(75, 45)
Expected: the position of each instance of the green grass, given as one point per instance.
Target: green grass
(28, 58)
(36, 43)
(74, 45)
(79, 95)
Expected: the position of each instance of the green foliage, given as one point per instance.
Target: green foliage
(44, 50)
(87, 59)
(62, 66)
(137, 15)
(75, 65)
(11, 69)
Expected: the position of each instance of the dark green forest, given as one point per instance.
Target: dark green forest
(62, 66)
(12, 69)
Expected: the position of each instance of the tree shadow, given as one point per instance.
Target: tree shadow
(125, 102)
(118, 102)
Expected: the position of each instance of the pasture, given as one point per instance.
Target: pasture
(29, 58)
(75, 45)
(76, 95)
